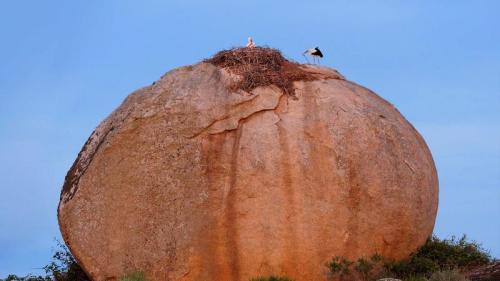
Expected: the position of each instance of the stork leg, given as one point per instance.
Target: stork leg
(306, 58)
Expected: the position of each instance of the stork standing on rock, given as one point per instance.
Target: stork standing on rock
(250, 43)
(313, 52)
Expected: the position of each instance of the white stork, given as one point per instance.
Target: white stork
(250, 43)
(313, 52)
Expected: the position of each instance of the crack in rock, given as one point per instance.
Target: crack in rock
(267, 98)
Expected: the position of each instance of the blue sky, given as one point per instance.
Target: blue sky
(65, 65)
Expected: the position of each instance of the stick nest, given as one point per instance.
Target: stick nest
(260, 67)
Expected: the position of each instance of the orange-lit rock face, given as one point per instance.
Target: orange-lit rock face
(187, 181)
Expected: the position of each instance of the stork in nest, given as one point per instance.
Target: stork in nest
(250, 43)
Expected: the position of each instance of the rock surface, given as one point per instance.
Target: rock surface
(187, 180)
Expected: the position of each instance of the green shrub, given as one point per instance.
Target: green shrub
(271, 278)
(64, 267)
(416, 266)
(437, 254)
(134, 276)
(447, 275)
(364, 267)
(452, 253)
(12, 277)
(339, 266)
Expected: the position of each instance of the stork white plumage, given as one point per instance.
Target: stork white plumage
(250, 43)
(315, 53)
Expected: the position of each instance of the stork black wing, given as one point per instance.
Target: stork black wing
(317, 52)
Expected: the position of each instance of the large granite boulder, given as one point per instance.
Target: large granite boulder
(195, 179)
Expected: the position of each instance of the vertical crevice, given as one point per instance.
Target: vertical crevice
(231, 209)
(353, 204)
(290, 236)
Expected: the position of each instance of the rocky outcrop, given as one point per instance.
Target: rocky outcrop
(190, 179)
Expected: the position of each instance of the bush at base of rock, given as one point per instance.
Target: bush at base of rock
(30, 277)
(436, 260)
(64, 267)
(437, 254)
